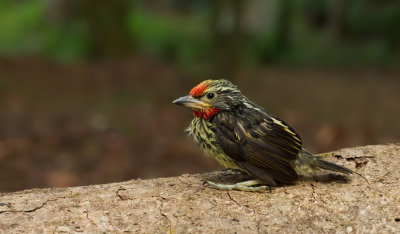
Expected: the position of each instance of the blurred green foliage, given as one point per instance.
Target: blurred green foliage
(182, 40)
(302, 31)
(26, 31)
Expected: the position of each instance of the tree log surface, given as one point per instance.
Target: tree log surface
(183, 204)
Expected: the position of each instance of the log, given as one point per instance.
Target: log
(324, 203)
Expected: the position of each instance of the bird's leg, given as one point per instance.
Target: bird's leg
(248, 185)
(233, 171)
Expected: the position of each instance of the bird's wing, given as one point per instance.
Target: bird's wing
(259, 143)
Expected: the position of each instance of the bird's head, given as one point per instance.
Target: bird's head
(210, 97)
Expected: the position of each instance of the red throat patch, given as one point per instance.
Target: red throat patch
(199, 89)
(206, 114)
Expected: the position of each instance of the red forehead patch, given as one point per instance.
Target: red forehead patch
(199, 89)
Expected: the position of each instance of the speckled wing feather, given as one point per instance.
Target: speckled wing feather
(261, 144)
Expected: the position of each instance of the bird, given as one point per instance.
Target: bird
(243, 136)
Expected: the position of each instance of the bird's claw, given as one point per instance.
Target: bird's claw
(248, 186)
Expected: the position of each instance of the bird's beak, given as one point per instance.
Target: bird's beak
(190, 101)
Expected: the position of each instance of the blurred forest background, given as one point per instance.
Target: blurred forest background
(86, 85)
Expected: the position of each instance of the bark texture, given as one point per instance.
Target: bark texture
(326, 203)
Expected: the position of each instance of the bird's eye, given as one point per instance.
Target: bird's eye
(210, 95)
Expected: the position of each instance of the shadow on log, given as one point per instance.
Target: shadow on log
(182, 204)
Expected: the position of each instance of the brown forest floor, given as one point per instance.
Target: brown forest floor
(65, 125)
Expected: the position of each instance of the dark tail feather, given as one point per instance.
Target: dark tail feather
(331, 166)
(307, 158)
(320, 163)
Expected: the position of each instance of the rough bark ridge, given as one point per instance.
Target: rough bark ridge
(182, 204)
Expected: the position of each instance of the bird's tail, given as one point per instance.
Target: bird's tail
(307, 163)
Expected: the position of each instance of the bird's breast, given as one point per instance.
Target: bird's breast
(203, 132)
(204, 135)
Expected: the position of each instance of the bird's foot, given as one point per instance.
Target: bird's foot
(249, 186)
